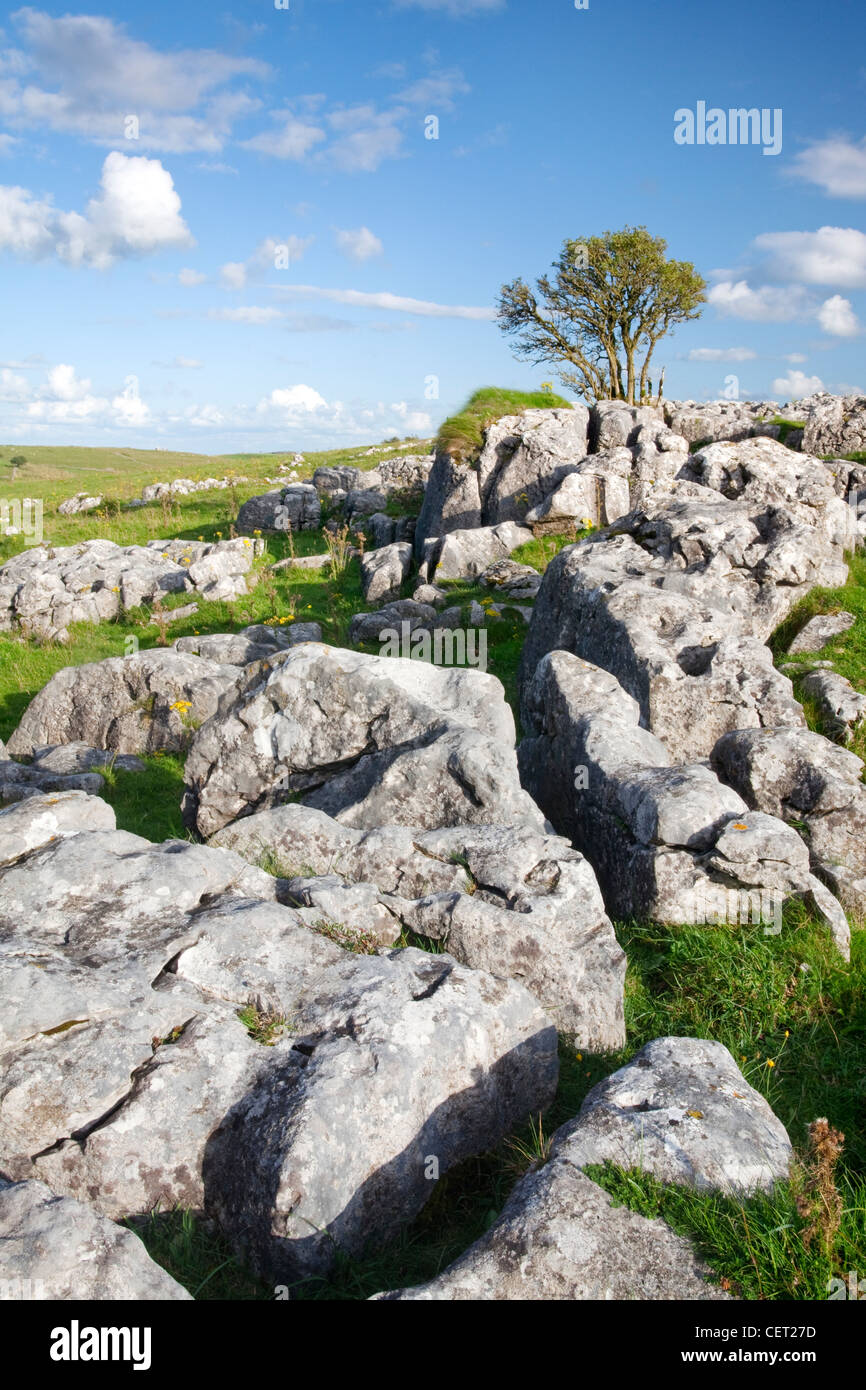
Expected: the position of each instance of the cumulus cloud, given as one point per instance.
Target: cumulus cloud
(359, 244)
(384, 300)
(295, 400)
(137, 212)
(795, 385)
(830, 256)
(836, 316)
(734, 354)
(67, 399)
(64, 400)
(435, 92)
(190, 277)
(86, 75)
(766, 304)
(837, 165)
(233, 275)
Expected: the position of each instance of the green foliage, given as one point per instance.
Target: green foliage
(265, 1025)
(609, 299)
(354, 939)
(200, 1259)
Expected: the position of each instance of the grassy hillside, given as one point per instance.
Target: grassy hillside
(54, 473)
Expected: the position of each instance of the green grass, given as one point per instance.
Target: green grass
(754, 1246)
(785, 426)
(54, 473)
(194, 1253)
(461, 434)
(847, 652)
(148, 803)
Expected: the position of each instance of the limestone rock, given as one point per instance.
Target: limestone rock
(56, 1248)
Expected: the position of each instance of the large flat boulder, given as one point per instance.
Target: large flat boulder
(679, 598)
(525, 456)
(804, 779)
(513, 901)
(370, 740)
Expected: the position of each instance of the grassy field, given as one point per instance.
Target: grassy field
(790, 1011)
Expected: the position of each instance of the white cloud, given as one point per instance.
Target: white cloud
(64, 401)
(190, 277)
(13, 387)
(830, 256)
(128, 408)
(837, 165)
(837, 317)
(184, 363)
(64, 385)
(365, 137)
(250, 313)
(295, 399)
(270, 254)
(385, 300)
(136, 212)
(360, 244)
(767, 304)
(90, 74)
(735, 354)
(6, 144)
(67, 399)
(794, 357)
(293, 137)
(435, 92)
(234, 275)
(415, 421)
(795, 385)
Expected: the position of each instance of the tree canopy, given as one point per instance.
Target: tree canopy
(600, 314)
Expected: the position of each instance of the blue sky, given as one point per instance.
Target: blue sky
(160, 164)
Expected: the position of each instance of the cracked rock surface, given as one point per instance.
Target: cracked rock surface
(128, 1078)
(369, 740)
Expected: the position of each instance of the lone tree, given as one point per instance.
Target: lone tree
(610, 299)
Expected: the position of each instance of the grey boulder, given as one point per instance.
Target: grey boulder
(56, 1248)
(135, 704)
(683, 1111)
